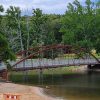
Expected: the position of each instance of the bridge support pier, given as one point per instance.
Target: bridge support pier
(91, 67)
(4, 74)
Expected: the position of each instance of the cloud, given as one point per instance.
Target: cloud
(48, 6)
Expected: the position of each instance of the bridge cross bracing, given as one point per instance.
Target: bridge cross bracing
(54, 56)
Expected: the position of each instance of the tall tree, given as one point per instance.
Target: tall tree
(5, 51)
(14, 22)
(38, 20)
(80, 25)
(1, 11)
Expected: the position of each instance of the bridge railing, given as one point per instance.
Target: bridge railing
(53, 56)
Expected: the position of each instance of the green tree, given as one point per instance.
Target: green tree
(1, 11)
(14, 26)
(81, 25)
(5, 52)
(38, 21)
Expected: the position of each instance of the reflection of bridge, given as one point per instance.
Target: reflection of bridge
(53, 56)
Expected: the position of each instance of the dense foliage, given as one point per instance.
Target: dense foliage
(5, 52)
(80, 25)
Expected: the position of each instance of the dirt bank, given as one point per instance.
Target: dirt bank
(26, 92)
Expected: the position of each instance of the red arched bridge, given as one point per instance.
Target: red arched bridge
(54, 56)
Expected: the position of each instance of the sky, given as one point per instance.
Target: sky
(47, 6)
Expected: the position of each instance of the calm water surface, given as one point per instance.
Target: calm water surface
(83, 86)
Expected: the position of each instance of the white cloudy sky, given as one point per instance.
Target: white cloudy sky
(48, 6)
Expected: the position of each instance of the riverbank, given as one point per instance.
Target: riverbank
(50, 77)
(25, 92)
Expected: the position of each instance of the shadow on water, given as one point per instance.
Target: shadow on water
(85, 86)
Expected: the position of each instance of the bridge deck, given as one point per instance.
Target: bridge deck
(30, 64)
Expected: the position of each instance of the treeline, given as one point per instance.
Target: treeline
(80, 25)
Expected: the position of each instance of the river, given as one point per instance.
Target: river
(78, 86)
(61, 83)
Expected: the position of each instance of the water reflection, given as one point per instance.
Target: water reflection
(83, 86)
